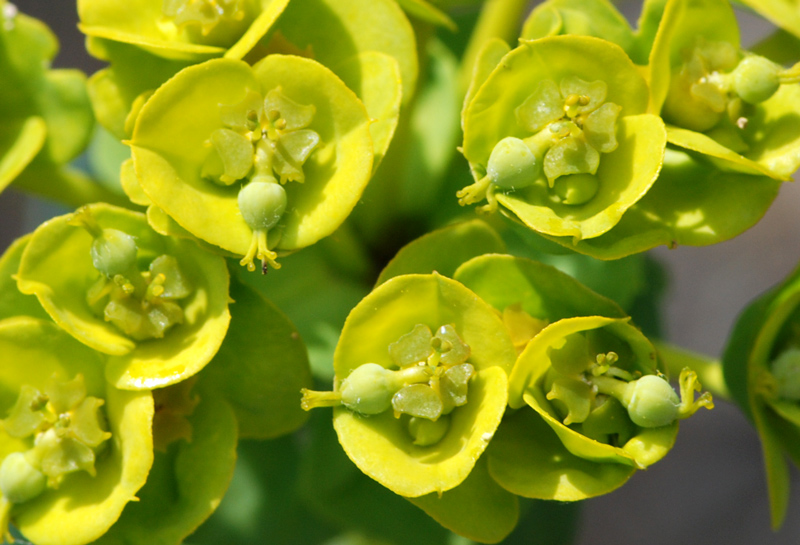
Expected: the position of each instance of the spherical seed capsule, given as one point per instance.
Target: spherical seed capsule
(756, 79)
(262, 203)
(651, 402)
(369, 389)
(512, 165)
(19, 480)
(576, 189)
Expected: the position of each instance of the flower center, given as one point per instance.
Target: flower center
(265, 142)
(431, 380)
(141, 304)
(66, 430)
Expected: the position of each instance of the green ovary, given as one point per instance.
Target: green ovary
(141, 304)
(570, 126)
(66, 430)
(264, 141)
(430, 382)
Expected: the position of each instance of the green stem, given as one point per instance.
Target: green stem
(499, 19)
(709, 371)
(67, 186)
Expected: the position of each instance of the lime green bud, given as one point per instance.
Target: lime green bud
(369, 389)
(262, 203)
(576, 189)
(428, 432)
(756, 79)
(651, 402)
(512, 165)
(20, 481)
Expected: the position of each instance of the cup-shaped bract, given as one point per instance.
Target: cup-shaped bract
(393, 329)
(761, 370)
(738, 109)
(161, 319)
(568, 374)
(557, 135)
(526, 456)
(46, 113)
(218, 127)
(92, 441)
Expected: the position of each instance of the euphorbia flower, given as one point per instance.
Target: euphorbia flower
(420, 383)
(275, 158)
(74, 450)
(557, 135)
(158, 306)
(719, 100)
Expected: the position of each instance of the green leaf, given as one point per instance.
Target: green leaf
(781, 13)
(428, 12)
(598, 18)
(260, 367)
(443, 250)
(375, 78)
(336, 30)
(133, 73)
(542, 291)
(691, 203)
(20, 142)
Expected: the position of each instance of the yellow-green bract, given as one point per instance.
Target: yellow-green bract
(172, 141)
(64, 291)
(82, 507)
(380, 445)
(596, 101)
